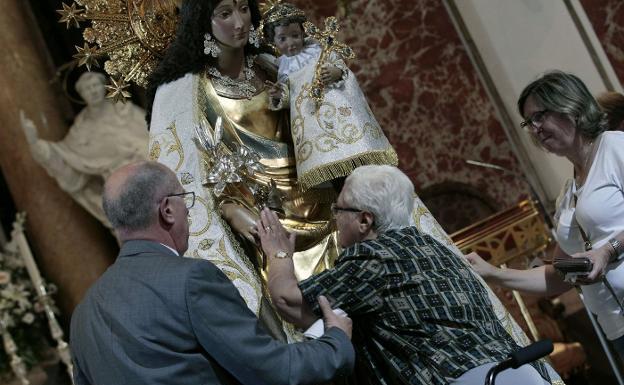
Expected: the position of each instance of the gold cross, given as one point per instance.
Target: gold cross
(329, 44)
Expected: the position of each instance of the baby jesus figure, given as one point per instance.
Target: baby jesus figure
(333, 137)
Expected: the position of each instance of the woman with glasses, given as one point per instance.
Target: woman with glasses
(563, 118)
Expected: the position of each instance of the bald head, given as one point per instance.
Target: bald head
(132, 192)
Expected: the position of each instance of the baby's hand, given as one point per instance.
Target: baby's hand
(330, 74)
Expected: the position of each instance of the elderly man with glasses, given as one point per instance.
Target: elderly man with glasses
(420, 316)
(157, 318)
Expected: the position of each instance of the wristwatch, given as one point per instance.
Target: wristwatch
(617, 248)
(282, 254)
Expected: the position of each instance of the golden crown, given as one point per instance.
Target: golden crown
(273, 11)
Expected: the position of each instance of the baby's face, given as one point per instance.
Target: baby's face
(289, 39)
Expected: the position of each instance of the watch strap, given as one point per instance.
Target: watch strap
(618, 249)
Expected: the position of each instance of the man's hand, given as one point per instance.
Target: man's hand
(273, 236)
(330, 319)
(484, 269)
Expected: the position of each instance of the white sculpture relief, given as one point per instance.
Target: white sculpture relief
(103, 137)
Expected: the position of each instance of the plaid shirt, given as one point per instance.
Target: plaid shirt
(419, 315)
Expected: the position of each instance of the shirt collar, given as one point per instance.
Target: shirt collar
(172, 249)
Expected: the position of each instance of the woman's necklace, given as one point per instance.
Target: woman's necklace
(583, 174)
(237, 88)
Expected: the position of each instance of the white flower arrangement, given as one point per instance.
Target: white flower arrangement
(17, 294)
(20, 311)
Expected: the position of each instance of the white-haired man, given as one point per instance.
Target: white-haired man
(420, 316)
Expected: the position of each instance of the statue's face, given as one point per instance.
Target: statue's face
(230, 22)
(92, 90)
(289, 39)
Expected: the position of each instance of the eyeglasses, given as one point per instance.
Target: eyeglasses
(536, 120)
(188, 196)
(335, 209)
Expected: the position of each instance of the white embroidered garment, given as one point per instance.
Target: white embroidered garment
(172, 132)
(289, 64)
(341, 134)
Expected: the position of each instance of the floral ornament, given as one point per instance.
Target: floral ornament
(254, 39)
(206, 244)
(247, 159)
(186, 178)
(210, 46)
(226, 167)
(222, 173)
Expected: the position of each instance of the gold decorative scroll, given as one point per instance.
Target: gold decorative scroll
(516, 232)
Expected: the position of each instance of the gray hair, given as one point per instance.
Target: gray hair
(87, 76)
(565, 93)
(133, 206)
(384, 191)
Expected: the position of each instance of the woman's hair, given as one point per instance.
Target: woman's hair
(385, 192)
(186, 52)
(284, 8)
(612, 103)
(565, 93)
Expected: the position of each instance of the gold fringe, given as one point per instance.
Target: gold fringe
(344, 167)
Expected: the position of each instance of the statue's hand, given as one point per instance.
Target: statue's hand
(330, 74)
(241, 220)
(30, 130)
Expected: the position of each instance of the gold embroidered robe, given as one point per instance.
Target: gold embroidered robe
(178, 107)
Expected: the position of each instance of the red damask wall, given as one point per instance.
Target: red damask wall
(607, 18)
(427, 96)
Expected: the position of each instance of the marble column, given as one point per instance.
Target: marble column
(71, 247)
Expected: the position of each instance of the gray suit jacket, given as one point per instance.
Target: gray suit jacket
(156, 318)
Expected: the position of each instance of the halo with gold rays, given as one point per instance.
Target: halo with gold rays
(130, 36)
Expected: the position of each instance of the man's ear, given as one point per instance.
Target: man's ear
(367, 220)
(165, 212)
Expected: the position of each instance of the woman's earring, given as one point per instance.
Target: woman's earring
(253, 37)
(210, 46)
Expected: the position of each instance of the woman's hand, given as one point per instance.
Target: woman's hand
(481, 267)
(273, 236)
(330, 74)
(600, 259)
(241, 220)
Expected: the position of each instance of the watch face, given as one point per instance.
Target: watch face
(281, 254)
